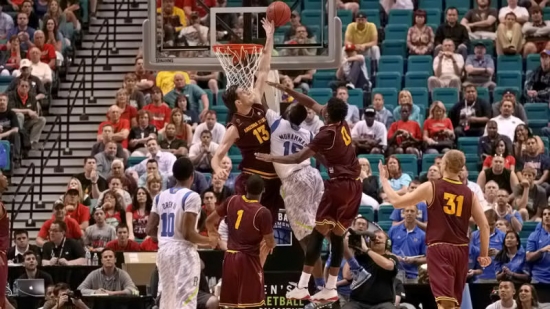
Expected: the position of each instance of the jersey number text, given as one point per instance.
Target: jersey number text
(239, 218)
(291, 148)
(261, 134)
(167, 225)
(345, 136)
(454, 204)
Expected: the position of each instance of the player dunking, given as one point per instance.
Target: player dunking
(248, 223)
(176, 211)
(4, 243)
(249, 130)
(340, 201)
(450, 206)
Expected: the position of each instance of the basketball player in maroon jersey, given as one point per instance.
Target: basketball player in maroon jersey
(249, 130)
(450, 206)
(4, 243)
(249, 224)
(340, 201)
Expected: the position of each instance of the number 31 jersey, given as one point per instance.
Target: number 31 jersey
(287, 139)
(171, 205)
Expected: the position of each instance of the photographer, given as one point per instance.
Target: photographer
(64, 298)
(376, 258)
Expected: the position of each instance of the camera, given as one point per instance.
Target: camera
(74, 295)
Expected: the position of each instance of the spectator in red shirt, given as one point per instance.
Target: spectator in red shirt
(160, 112)
(120, 126)
(150, 244)
(75, 209)
(48, 55)
(123, 243)
(438, 133)
(405, 136)
(60, 213)
(128, 111)
(138, 212)
(208, 205)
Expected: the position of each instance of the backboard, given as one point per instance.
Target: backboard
(173, 47)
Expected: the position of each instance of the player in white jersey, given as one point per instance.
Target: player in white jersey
(302, 185)
(173, 220)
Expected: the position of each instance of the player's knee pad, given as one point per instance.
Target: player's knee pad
(314, 247)
(336, 249)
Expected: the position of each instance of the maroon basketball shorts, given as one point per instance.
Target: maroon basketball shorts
(3, 279)
(242, 281)
(447, 270)
(340, 202)
(271, 198)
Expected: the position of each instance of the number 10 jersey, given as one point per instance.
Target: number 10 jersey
(171, 205)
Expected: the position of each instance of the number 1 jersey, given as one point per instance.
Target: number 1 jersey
(287, 139)
(171, 205)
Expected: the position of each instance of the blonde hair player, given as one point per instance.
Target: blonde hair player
(450, 206)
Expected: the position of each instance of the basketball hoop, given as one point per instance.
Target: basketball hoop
(239, 62)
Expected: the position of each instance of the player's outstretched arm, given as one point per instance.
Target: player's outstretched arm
(294, 158)
(424, 192)
(300, 97)
(210, 223)
(265, 61)
(483, 225)
(229, 138)
(152, 225)
(189, 232)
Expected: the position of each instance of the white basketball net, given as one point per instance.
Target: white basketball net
(240, 63)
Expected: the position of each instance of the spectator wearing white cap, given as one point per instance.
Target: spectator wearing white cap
(38, 68)
(353, 69)
(364, 36)
(369, 135)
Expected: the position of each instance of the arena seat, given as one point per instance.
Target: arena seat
(385, 225)
(532, 62)
(135, 160)
(457, 4)
(235, 160)
(420, 95)
(373, 160)
(468, 144)
(384, 212)
(546, 13)
(234, 150)
(394, 47)
(483, 93)
(391, 64)
(428, 159)
(537, 112)
(509, 63)
(509, 79)
(219, 108)
(497, 94)
(367, 212)
(322, 79)
(346, 16)
(389, 80)
(356, 98)
(409, 163)
(389, 94)
(449, 96)
(210, 96)
(472, 161)
(396, 31)
(208, 177)
(430, 4)
(403, 17)
(313, 4)
(373, 15)
(324, 175)
(422, 64)
(416, 80)
(321, 95)
(472, 176)
(433, 16)
(310, 16)
(528, 228)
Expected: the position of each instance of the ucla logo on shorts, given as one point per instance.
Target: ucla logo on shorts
(282, 231)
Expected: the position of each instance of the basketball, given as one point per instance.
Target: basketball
(279, 13)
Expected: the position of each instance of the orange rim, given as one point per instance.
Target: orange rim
(232, 48)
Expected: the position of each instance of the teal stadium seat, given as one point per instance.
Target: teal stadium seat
(433, 16)
(457, 4)
(385, 225)
(449, 96)
(509, 63)
(373, 15)
(346, 16)
(321, 95)
(462, 11)
(324, 175)
(499, 91)
(546, 13)
(394, 47)
(409, 163)
(468, 144)
(221, 111)
(404, 17)
(234, 150)
(422, 64)
(210, 95)
(537, 116)
(528, 228)
(430, 4)
(509, 78)
(311, 17)
(208, 177)
(389, 80)
(373, 160)
(315, 30)
(322, 79)
(313, 4)
(135, 160)
(420, 95)
(428, 159)
(532, 62)
(391, 64)
(416, 79)
(236, 160)
(472, 176)
(356, 98)
(282, 30)
(489, 46)
(483, 93)
(546, 143)
(396, 31)
(389, 94)
(384, 213)
(472, 161)
(367, 212)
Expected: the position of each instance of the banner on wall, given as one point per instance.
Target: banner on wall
(282, 231)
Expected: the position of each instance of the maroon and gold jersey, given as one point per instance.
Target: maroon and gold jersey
(449, 213)
(334, 143)
(4, 230)
(254, 136)
(247, 223)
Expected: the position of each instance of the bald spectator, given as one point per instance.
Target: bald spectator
(121, 127)
(47, 51)
(39, 68)
(27, 110)
(195, 96)
(105, 159)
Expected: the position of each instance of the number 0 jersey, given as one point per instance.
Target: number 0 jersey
(287, 139)
(449, 213)
(171, 205)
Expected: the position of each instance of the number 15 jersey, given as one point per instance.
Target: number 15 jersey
(171, 205)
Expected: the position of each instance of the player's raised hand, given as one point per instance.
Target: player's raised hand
(269, 27)
(276, 85)
(221, 174)
(383, 171)
(266, 157)
(484, 261)
(213, 240)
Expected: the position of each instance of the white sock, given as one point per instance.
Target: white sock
(304, 280)
(331, 282)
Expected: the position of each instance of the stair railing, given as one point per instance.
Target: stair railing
(44, 159)
(15, 207)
